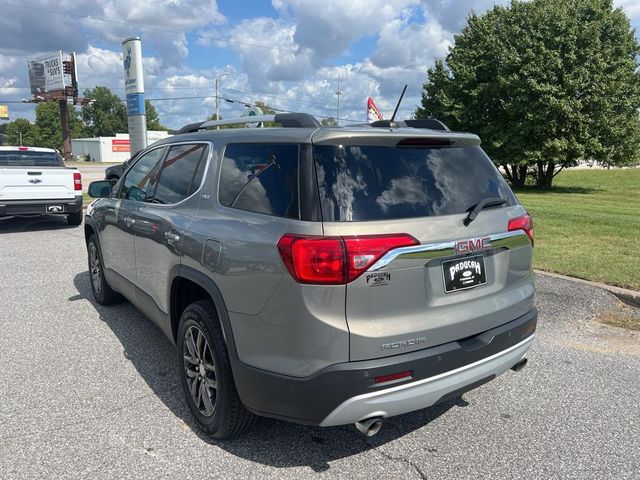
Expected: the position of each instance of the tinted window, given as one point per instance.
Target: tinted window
(378, 183)
(140, 179)
(261, 178)
(181, 173)
(24, 158)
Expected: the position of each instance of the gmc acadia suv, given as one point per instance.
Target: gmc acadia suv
(320, 275)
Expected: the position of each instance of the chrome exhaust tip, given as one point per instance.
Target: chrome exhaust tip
(370, 426)
(520, 365)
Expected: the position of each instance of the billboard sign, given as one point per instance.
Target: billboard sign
(4, 112)
(46, 73)
(132, 59)
(134, 89)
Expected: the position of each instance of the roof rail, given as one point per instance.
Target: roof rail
(192, 127)
(430, 123)
(287, 120)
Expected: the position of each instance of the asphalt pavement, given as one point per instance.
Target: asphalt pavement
(92, 392)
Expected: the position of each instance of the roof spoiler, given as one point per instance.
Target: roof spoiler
(428, 123)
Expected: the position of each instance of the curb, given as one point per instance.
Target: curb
(631, 297)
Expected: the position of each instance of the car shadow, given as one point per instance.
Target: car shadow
(34, 224)
(271, 442)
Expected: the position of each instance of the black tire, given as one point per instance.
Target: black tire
(228, 417)
(74, 218)
(102, 292)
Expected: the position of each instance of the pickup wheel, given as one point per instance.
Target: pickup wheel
(205, 374)
(74, 218)
(102, 292)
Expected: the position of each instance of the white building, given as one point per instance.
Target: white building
(109, 149)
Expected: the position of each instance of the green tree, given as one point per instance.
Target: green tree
(545, 84)
(47, 131)
(17, 127)
(106, 115)
(153, 119)
(266, 110)
(328, 122)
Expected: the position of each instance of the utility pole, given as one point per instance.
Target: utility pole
(64, 124)
(20, 133)
(338, 93)
(216, 83)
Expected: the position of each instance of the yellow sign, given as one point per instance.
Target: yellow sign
(4, 112)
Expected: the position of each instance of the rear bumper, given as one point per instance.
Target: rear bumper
(346, 393)
(40, 207)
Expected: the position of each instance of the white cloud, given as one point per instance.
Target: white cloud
(279, 59)
(328, 27)
(411, 45)
(631, 8)
(452, 14)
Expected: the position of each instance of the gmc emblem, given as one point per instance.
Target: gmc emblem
(473, 245)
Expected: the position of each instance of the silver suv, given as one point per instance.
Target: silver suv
(320, 275)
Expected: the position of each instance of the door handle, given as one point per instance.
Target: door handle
(172, 237)
(129, 221)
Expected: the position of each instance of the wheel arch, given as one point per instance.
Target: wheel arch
(182, 276)
(90, 229)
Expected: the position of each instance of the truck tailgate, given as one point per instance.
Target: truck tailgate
(37, 183)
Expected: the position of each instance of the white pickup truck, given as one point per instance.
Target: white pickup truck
(35, 181)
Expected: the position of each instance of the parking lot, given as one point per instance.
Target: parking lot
(90, 391)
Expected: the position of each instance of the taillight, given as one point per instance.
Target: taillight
(335, 260)
(77, 181)
(23, 149)
(525, 222)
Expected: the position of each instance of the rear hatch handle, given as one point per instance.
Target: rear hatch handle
(484, 203)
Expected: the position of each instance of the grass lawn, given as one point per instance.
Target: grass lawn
(588, 226)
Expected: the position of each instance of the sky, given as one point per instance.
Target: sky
(290, 54)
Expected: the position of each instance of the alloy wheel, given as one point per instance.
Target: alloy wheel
(200, 371)
(95, 267)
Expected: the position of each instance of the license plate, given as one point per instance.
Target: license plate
(55, 208)
(463, 273)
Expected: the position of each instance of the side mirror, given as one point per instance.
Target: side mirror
(100, 189)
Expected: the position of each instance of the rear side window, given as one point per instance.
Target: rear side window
(261, 178)
(360, 183)
(25, 158)
(181, 173)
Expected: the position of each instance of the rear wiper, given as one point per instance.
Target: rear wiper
(273, 162)
(485, 202)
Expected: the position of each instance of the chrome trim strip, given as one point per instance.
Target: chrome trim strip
(429, 251)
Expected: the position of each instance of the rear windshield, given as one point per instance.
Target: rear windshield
(27, 158)
(360, 183)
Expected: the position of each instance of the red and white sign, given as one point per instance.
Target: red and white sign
(120, 145)
(373, 114)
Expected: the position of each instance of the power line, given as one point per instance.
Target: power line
(200, 97)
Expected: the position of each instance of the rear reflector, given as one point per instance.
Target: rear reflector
(393, 376)
(525, 222)
(77, 181)
(336, 260)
